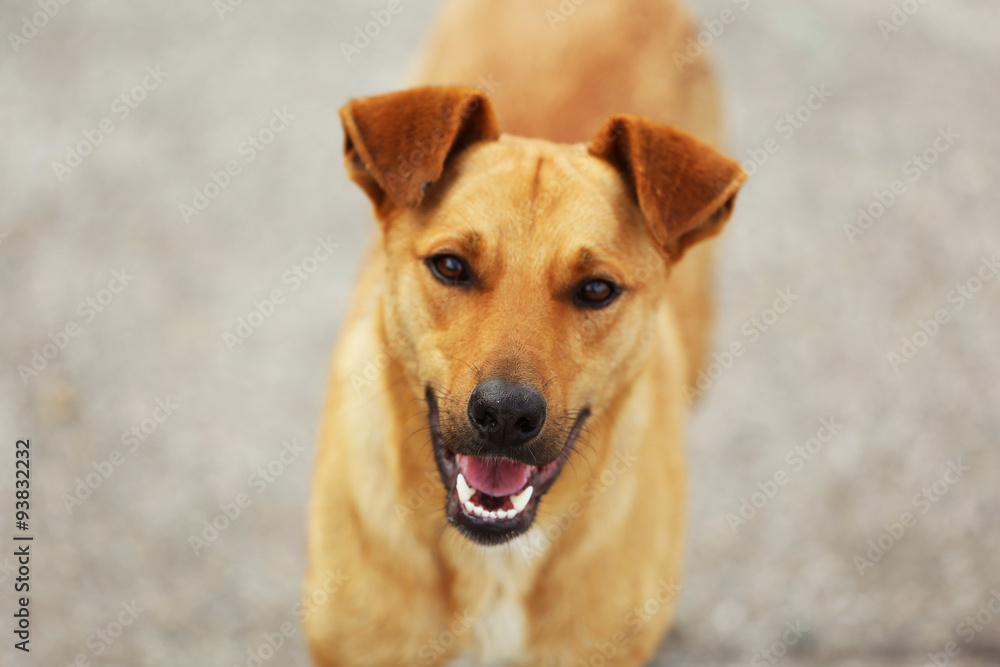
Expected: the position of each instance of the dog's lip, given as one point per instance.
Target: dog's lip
(489, 529)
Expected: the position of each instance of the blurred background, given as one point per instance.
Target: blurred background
(166, 167)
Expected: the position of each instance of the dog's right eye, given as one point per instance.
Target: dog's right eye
(596, 293)
(450, 270)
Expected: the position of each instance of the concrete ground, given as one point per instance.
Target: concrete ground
(134, 299)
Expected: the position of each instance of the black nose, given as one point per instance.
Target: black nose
(506, 414)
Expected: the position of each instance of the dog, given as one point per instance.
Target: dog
(500, 473)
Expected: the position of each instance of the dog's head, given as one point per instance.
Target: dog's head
(523, 278)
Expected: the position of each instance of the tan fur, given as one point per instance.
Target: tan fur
(536, 217)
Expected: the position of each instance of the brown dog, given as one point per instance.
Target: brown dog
(500, 473)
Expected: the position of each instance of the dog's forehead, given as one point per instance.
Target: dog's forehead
(518, 188)
(536, 168)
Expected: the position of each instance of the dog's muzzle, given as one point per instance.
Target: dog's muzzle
(494, 478)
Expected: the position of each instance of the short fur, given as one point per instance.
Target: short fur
(536, 218)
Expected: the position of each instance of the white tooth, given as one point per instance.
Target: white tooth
(478, 510)
(521, 500)
(469, 507)
(493, 515)
(464, 490)
(505, 514)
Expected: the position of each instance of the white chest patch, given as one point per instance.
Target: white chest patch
(500, 630)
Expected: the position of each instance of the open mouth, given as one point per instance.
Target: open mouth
(492, 499)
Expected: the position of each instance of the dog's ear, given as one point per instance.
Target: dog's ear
(684, 187)
(396, 145)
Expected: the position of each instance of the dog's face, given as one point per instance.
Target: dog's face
(523, 291)
(522, 279)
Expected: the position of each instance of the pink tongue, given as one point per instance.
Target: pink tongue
(494, 477)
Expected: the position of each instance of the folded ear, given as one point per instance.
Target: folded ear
(396, 145)
(684, 187)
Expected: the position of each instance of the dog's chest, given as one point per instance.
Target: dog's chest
(498, 633)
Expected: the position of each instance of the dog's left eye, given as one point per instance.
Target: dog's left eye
(450, 270)
(596, 293)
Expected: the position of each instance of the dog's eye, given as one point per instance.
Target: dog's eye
(450, 270)
(596, 293)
